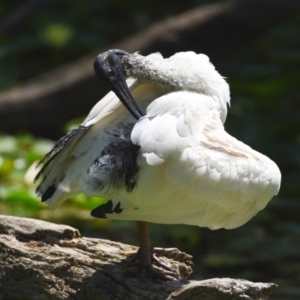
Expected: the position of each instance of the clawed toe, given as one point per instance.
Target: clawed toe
(159, 263)
(152, 272)
(163, 272)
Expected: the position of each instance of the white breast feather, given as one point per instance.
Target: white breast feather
(193, 172)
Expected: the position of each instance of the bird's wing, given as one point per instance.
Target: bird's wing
(194, 172)
(74, 153)
(55, 170)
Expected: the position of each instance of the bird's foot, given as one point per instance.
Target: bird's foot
(153, 272)
(163, 271)
(162, 251)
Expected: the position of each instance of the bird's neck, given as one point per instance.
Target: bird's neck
(149, 69)
(191, 73)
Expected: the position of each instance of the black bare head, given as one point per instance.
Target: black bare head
(109, 69)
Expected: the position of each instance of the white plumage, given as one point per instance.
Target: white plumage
(190, 170)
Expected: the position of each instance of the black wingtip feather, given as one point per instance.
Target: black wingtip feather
(56, 149)
(48, 193)
(107, 208)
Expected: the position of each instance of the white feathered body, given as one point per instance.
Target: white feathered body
(190, 170)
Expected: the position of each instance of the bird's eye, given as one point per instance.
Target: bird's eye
(110, 72)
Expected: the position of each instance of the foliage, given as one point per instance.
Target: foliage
(18, 160)
(67, 30)
(16, 155)
(57, 35)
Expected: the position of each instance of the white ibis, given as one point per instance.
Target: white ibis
(163, 156)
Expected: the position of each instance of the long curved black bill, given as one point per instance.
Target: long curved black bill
(109, 69)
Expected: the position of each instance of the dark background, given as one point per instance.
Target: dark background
(47, 85)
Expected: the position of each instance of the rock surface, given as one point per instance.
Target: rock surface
(42, 260)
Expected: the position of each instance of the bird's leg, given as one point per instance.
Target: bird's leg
(144, 243)
(147, 256)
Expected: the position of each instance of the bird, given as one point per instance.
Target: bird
(156, 148)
